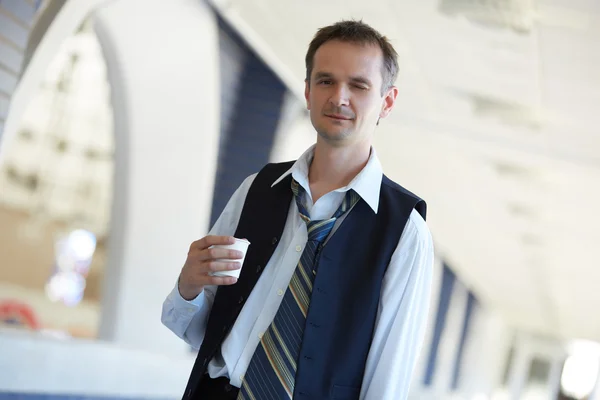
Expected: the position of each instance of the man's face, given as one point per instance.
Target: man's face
(344, 94)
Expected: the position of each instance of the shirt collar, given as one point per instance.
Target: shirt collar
(367, 183)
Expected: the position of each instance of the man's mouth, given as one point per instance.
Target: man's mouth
(338, 117)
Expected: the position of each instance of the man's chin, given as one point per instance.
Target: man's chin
(334, 136)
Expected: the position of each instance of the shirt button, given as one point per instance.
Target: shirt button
(298, 248)
(242, 378)
(280, 292)
(260, 335)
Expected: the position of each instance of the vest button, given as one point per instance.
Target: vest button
(241, 300)
(258, 268)
(274, 241)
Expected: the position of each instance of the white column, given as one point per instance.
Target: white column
(554, 377)
(162, 61)
(595, 395)
(450, 338)
(486, 353)
(519, 369)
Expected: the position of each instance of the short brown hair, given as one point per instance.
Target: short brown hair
(356, 32)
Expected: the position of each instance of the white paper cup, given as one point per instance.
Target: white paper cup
(240, 245)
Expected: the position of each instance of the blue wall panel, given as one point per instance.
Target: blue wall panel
(248, 136)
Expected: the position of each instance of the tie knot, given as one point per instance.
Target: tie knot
(320, 229)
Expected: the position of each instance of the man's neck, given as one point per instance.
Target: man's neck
(335, 167)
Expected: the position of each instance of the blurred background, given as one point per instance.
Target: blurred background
(125, 125)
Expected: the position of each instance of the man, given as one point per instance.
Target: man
(333, 295)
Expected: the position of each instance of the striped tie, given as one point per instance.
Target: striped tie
(272, 370)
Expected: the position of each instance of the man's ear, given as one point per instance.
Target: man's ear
(307, 93)
(388, 102)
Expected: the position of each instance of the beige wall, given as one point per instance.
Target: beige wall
(27, 261)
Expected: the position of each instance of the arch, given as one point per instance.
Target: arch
(163, 71)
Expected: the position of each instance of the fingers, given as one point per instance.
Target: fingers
(221, 280)
(219, 266)
(217, 253)
(199, 273)
(207, 279)
(205, 258)
(202, 249)
(212, 240)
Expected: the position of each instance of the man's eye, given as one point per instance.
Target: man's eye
(326, 82)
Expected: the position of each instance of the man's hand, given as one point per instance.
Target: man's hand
(202, 260)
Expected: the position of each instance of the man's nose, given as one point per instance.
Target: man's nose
(340, 96)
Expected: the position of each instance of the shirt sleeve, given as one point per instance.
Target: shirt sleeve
(402, 315)
(187, 319)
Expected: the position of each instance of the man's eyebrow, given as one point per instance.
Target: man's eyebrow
(355, 79)
(360, 79)
(323, 75)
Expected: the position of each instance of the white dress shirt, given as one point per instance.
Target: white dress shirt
(403, 304)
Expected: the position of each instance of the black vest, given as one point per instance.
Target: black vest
(345, 297)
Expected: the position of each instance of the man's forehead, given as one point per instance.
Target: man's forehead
(337, 55)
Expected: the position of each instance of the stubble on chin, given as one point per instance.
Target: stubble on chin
(334, 138)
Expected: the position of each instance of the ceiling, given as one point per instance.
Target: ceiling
(496, 127)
